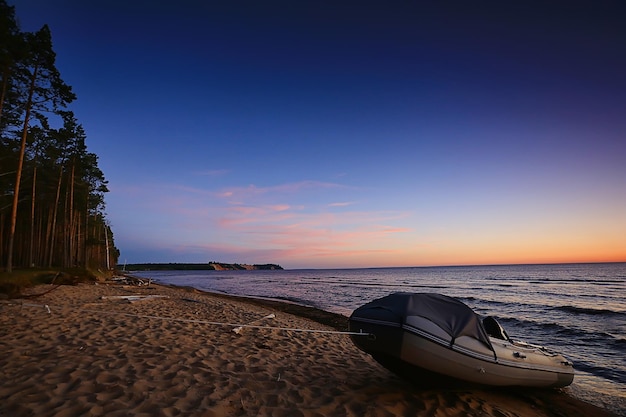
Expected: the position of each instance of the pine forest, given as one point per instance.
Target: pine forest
(51, 189)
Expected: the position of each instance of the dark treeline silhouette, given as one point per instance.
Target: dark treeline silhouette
(211, 266)
(51, 189)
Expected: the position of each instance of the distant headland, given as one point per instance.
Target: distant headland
(216, 266)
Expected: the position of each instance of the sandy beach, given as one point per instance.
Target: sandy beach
(90, 350)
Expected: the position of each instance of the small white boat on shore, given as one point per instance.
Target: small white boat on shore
(439, 335)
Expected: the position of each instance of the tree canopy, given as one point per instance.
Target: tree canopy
(51, 189)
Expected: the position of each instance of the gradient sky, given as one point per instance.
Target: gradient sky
(352, 133)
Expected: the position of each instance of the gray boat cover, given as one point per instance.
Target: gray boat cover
(454, 317)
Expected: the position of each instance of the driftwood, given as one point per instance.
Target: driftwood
(130, 280)
(133, 298)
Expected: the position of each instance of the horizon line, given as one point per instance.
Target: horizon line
(384, 267)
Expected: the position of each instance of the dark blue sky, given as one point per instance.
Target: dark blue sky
(352, 133)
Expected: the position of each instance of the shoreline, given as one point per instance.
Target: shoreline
(337, 321)
(561, 400)
(98, 354)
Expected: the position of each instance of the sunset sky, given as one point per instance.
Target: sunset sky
(331, 134)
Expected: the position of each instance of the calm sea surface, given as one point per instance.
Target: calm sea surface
(577, 309)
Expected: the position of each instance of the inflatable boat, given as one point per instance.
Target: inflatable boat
(435, 334)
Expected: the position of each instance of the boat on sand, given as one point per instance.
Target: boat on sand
(423, 334)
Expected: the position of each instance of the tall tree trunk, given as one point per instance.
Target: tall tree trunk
(47, 239)
(31, 259)
(106, 239)
(77, 249)
(18, 177)
(55, 211)
(71, 226)
(39, 235)
(86, 237)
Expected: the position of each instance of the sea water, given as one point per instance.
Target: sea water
(576, 309)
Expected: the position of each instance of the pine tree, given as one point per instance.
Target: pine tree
(46, 92)
(51, 189)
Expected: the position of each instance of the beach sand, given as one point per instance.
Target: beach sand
(92, 355)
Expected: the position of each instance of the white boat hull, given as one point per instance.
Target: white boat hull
(534, 370)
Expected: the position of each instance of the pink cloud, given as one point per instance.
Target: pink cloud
(267, 229)
(324, 230)
(290, 188)
(341, 204)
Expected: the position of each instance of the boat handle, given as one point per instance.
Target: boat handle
(519, 355)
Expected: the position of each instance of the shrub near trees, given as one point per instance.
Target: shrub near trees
(51, 189)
